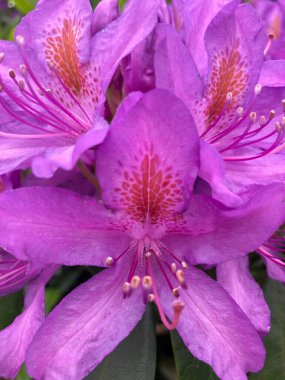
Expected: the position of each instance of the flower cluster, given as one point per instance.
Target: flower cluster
(147, 141)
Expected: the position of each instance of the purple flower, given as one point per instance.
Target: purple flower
(236, 101)
(54, 80)
(149, 231)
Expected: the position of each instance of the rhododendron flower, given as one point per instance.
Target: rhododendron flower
(149, 231)
(54, 77)
(240, 124)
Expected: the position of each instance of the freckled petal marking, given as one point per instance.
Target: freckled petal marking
(150, 190)
(61, 51)
(229, 74)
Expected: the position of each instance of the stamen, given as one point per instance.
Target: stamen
(269, 43)
(135, 282)
(109, 261)
(176, 292)
(151, 297)
(181, 277)
(173, 267)
(2, 55)
(147, 282)
(127, 289)
(20, 40)
(257, 89)
(177, 305)
(185, 265)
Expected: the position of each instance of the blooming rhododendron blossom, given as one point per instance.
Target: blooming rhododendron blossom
(240, 124)
(53, 81)
(149, 232)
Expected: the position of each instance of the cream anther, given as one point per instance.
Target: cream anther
(148, 253)
(20, 40)
(283, 122)
(180, 277)
(135, 281)
(109, 261)
(49, 91)
(278, 127)
(151, 297)
(23, 69)
(176, 292)
(257, 89)
(229, 96)
(21, 85)
(272, 114)
(185, 265)
(12, 73)
(127, 288)
(1, 87)
(252, 116)
(283, 104)
(173, 267)
(147, 282)
(262, 120)
(2, 55)
(239, 112)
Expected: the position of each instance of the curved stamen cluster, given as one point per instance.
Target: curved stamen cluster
(148, 257)
(274, 248)
(13, 272)
(42, 109)
(246, 131)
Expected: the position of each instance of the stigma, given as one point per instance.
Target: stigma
(152, 267)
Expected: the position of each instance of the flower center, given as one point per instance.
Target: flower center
(48, 110)
(153, 265)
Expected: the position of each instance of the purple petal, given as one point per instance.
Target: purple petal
(236, 279)
(67, 156)
(120, 37)
(216, 330)
(105, 12)
(16, 338)
(212, 236)
(212, 171)
(85, 327)
(56, 21)
(58, 226)
(153, 147)
(175, 69)
(273, 74)
(197, 16)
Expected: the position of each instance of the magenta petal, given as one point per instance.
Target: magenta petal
(212, 171)
(155, 140)
(273, 74)
(236, 279)
(120, 37)
(85, 327)
(216, 330)
(105, 12)
(66, 157)
(175, 68)
(211, 236)
(15, 339)
(60, 227)
(197, 16)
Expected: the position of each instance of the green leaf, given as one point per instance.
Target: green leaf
(134, 358)
(10, 307)
(24, 6)
(187, 366)
(275, 342)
